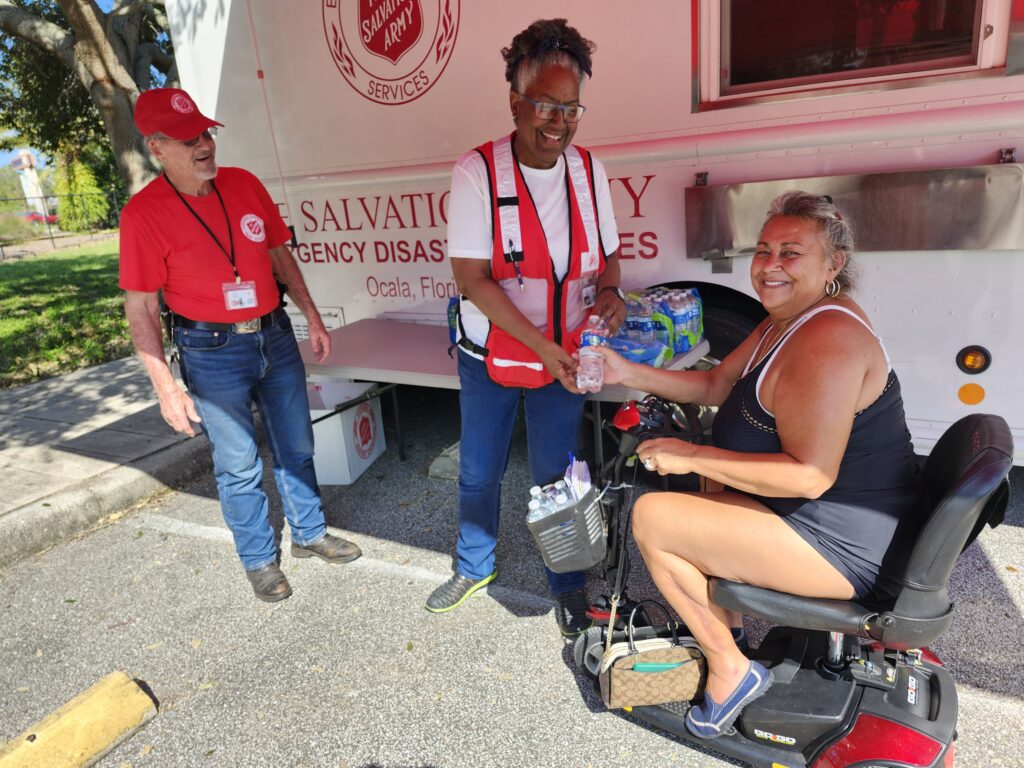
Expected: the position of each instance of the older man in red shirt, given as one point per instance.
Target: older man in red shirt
(214, 243)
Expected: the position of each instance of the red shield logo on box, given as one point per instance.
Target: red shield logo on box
(390, 28)
(391, 51)
(364, 431)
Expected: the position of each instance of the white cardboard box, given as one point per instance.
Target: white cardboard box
(347, 443)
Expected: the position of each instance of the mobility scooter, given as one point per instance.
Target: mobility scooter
(855, 685)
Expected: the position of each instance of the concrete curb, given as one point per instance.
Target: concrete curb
(86, 728)
(50, 520)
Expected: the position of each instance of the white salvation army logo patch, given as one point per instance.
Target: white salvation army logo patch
(182, 104)
(252, 228)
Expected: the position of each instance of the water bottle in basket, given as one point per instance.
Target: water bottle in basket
(569, 532)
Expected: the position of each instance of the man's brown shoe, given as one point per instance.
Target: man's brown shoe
(269, 583)
(331, 548)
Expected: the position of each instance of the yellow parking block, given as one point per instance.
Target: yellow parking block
(85, 729)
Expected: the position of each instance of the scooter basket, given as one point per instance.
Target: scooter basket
(573, 538)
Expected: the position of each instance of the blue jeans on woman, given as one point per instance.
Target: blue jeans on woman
(225, 374)
(488, 414)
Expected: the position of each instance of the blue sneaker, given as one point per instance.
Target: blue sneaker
(712, 719)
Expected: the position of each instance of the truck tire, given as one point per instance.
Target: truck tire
(725, 328)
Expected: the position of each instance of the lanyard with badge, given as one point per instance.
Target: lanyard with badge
(239, 294)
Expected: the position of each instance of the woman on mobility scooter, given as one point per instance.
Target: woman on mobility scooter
(820, 483)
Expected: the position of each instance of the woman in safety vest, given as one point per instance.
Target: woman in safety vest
(533, 245)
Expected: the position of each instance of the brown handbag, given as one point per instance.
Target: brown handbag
(655, 671)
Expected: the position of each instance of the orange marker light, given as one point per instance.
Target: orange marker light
(971, 394)
(973, 359)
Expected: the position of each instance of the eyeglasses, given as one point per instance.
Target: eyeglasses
(545, 110)
(208, 134)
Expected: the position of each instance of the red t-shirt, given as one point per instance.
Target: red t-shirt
(164, 246)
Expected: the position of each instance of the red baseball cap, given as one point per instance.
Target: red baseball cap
(172, 112)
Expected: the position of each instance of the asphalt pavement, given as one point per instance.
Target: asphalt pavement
(103, 568)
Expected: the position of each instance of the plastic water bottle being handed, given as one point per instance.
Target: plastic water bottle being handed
(590, 375)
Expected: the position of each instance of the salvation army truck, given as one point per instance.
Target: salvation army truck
(909, 113)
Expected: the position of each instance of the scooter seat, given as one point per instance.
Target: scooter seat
(843, 616)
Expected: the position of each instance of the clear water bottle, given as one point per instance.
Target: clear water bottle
(590, 375)
(659, 316)
(696, 314)
(680, 320)
(631, 324)
(645, 324)
(535, 510)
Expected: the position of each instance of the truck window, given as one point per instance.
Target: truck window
(778, 47)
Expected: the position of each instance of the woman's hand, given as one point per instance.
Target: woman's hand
(560, 364)
(667, 455)
(611, 309)
(616, 367)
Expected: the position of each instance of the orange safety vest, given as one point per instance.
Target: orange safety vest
(557, 307)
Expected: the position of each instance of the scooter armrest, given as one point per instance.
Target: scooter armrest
(813, 613)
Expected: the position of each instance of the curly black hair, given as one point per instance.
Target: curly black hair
(546, 41)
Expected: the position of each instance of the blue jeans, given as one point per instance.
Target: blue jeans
(488, 414)
(226, 373)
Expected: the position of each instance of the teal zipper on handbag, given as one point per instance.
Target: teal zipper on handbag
(656, 666)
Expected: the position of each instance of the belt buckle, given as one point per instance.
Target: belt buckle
(248, 326)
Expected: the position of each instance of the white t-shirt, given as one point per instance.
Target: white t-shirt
(469, 219)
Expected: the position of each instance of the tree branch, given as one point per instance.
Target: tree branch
(128, 7)
(100, 54)
(151, 54)
(18, 22)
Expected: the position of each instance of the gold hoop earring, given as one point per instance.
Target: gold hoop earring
(832, 288)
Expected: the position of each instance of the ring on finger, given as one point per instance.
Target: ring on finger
(649, 464)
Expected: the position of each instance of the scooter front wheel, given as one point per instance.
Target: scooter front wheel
(583, 651)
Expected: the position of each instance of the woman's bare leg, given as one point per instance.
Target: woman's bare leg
(687, 538)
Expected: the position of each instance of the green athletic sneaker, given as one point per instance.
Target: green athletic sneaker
(571, 613)
(454, 592)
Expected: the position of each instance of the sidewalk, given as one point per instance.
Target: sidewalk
(78, 447)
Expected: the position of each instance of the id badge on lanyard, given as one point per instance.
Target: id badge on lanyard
(241, 295)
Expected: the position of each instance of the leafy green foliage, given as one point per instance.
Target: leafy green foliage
(44, 104)
(41, 98)
(60, 312)
(83, 206)
(14, 228)
(11, 196)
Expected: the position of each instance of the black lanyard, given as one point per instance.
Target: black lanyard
(231, 240)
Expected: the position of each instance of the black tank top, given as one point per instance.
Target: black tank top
(863, 524)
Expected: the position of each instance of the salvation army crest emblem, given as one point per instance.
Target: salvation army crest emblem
(252, 228)
(182, 104)
(391, 51)
(390, 28)
(364, 431)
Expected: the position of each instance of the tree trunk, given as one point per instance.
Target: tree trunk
(111, 83)
(117, 107)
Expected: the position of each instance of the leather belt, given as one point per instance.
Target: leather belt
(245, 326)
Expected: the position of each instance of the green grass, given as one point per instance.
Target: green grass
(60, 312)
